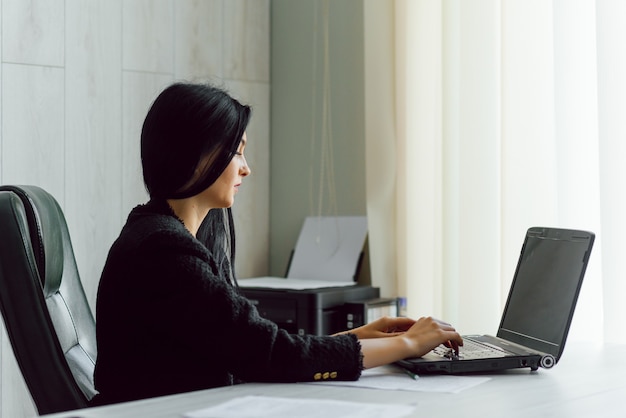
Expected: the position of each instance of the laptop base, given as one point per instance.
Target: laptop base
(426, 366)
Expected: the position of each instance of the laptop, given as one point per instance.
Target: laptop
(537, 315)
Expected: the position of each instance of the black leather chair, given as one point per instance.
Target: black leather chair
(43, 304)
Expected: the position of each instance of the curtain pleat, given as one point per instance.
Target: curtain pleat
(509, 114)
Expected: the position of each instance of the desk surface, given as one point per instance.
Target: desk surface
(588, 381)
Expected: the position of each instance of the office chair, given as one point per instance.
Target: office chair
(43, 304)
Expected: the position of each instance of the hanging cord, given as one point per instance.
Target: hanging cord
(313, 139)
(326, 143)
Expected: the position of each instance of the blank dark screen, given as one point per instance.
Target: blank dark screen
(545, 288)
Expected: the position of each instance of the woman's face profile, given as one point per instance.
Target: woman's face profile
(221, 194)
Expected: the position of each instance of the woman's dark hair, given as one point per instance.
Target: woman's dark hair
(186, 124)
(189, 136)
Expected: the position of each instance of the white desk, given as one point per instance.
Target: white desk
(589, 381)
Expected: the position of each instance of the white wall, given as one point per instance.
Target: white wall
(76, 79)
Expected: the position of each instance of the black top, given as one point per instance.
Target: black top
(168, 322)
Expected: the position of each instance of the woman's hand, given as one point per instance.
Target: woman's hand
(382, 327)
(428, 333)
(421, 337)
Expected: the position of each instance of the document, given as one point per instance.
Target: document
(395, 378)
(275, 407)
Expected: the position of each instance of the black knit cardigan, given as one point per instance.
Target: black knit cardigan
(168, 322)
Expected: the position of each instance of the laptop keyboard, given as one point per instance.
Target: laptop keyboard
(470, 350)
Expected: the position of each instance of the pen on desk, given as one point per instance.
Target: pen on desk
(411, 375)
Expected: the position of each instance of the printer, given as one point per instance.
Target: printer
(327, 284)
(309, 311)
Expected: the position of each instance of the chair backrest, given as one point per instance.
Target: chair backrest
(50, 325)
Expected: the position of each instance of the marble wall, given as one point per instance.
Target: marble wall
(76, 79)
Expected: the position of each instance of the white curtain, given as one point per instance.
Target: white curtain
(509, 114)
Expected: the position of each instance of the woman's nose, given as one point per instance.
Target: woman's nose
(245, 168)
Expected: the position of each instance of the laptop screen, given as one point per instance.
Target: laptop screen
(545, 288)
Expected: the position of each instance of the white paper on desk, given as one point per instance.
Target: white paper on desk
(395, 378)
(265, 406)
(328, 248)
(290, 284)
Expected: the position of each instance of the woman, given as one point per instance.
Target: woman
(169, 314)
